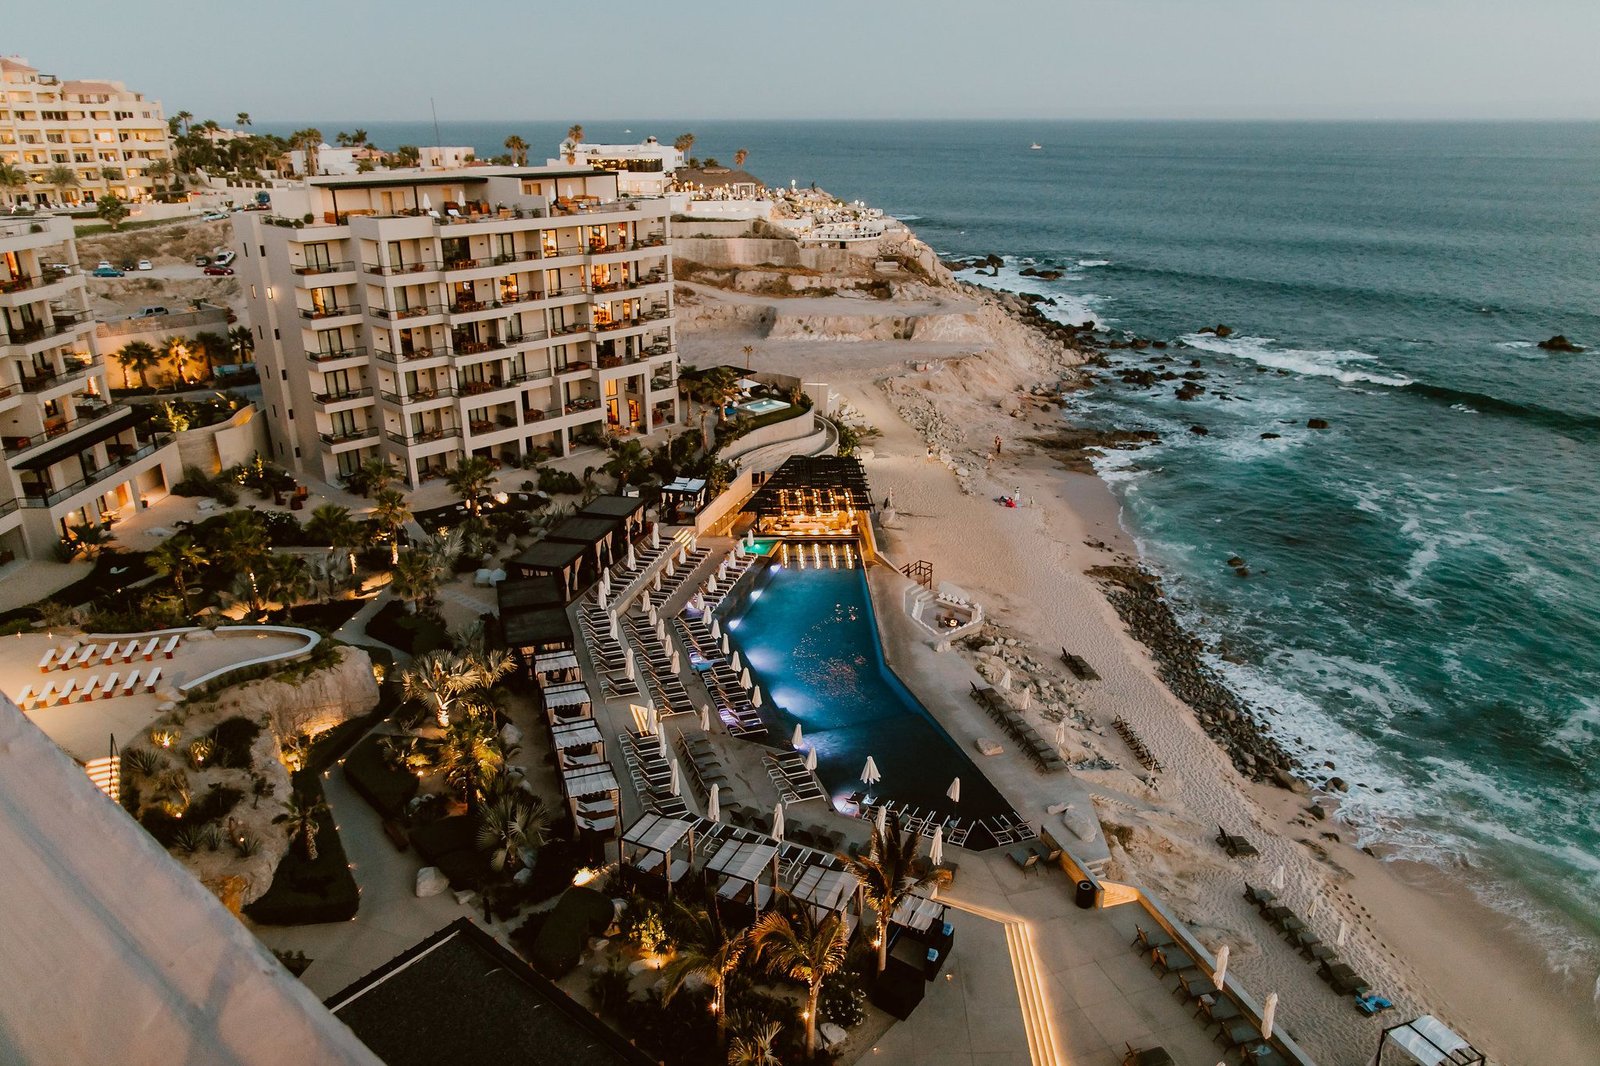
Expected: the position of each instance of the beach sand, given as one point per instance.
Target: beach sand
(1416, 935)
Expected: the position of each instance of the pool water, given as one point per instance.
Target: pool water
(810, 641)
(762, 406)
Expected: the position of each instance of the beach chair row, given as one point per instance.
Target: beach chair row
(652, 775)
(795, 784)
(671, 585)
(705, 767)
(1043, 753)
(728, 574)
(666, 688)
(1136, 745)
(93, 688)
(75, 655)
(1339, 975)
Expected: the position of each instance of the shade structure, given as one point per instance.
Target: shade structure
(798, 739)
(1277, 878)
(869, 772)
(954, 791)
(676, 785)
(675, 664)
(1221, 971)
(714, 803)
(1269, 1014)
(777, 821)
(936, 849)
(744, 680)
(738, 664)
(705, 719)
(811, 759)
(755, 696)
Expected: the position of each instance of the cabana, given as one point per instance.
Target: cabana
(592, 798)
(656, 835)
(682, 499)
(1425, 1041)
(567, 702)
(557, 559)
(626, 512)
(555, 667)
(577, 743)
(742, 863)
(594, 535)
(533, 618)
(817, 495)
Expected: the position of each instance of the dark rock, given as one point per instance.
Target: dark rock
(1194, 375)
(1338, 784)
(1316, 423)
(1234, 560)
(1159, 345)
(1189, 390)
(1219, 330)
(1048, 275)
(1194, 362)
(1284, 779)
(1559, 343)
(1199, 431)
(1317, 812)
(1242, 571)
(1270, 436)
(1027, 272)
(995, 261)
(1139, 344)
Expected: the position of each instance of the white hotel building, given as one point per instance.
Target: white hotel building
(428, 315)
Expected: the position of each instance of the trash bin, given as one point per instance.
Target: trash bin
(1085, 896)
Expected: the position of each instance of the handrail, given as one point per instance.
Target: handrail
(20, 445)
(359, 351)
(104, 473)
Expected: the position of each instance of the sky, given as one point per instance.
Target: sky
(325, 61)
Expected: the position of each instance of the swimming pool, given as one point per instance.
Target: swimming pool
(810, 640)
(765, 405)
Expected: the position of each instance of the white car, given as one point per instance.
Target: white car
(213, 216)
(104, 264)
(225, 259)
(144, 264)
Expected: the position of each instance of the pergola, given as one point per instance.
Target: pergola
(656, 835)
(585, 784)
(815, 493)
(626, 512)
(568, 701)
(1427, 1041)
(743, 862)
(684, 497)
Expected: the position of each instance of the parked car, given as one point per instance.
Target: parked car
(219, 271)
(151, 312)
(127, 264)
(226, 258)
(202, 260)
(106, 270)
(144, 264)
(104, 264)
(213, 216)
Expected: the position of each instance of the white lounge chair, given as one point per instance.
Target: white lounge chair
(150, 648)
(107, 655)
(85, 655)
(65, 658)
(150, 682)
(172, 645)
(26, 697)
(48, 661)
(130, 651)
(46, 696)
(89, 686)
(110, 686)
(128, 685)
(65, 695)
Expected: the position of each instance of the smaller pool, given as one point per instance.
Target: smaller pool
(763, 406)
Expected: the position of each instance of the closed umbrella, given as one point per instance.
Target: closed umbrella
(711, 583)
(650, 613)
(616, 628)
(714, 804)
(725, 644)
(811, 759)
(677, 779)
(744, 679)
(675, 665)
(798, 740)
(705, 719)
(738, 663)
(883, 821)
(633, 563)
(777, 821)
(954, 791)
(869, 772)
(1061, 733)
(661, 629)
(755, 696)
(1269, 1014)
(716, 629)
(600, 596)
(683, 555)
(427, 203)
(1222, 967)
(1343, 931)
(655, 537)
(652, 720)
(672, 566)
(627, 663)
(936, 849)
(1026, 700)
(661, 746)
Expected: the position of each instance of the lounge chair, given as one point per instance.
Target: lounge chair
(1025, 859)
(1163, 960)
(1259, 896)
(1145, 940)
(48, 661)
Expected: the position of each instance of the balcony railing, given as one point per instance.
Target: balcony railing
(35, 498)
(328, 312)
(323, 399)
(9, 507)
(19, 445)
(542, 374)
(351, 436)
(343, 353)
(539, 414)
(427, 436)
(50, 379)
(418, 311)
(323, 268)
(419, 396)
(423, 266)
(415, 355)
(39, 331)
(17, 284)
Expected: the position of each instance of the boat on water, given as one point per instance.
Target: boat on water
(1035, 146)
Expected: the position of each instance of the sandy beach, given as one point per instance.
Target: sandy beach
(938, 401)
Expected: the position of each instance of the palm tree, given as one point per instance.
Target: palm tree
(888, 874)
(626, 462)
(334, 525)
(446, 681)
(684, 143)
(159, 171)
(507, 826)
(804, 949)
(242, 119)
(470, 478)
(288, 579)
(12, 178)
(709, 950)
(300, 814)
(210, 347)
(740, 156)
(309, 141)
(241, 342)
(377, 474)
(180, 559)
(416, 576)
(574, 138)
(60, 179)
(183, 118)
(469, 755)
(755, 1049)
(518, 149)
(140, 358)
(389, 516)
(242, 546)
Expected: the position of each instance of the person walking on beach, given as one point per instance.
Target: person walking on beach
(997, 444)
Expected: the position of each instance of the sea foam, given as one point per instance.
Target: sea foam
(1305, 361)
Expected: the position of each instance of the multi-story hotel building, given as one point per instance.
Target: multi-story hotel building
(105, 134)
(425, 316)
(71, 457)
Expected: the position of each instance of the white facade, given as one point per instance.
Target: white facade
(71, 457)
(90, 127)
(424, 316)
(643, 169)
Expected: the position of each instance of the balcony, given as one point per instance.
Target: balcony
(426, 436)
(324, 400)
(38, 331)
(50, 379)
(35, 498)
(328, 312)
(423, 266)
(20, 283)
(308, 269)
(482, 426)
(359, 352)
(401, 313)
(20, 445)
(539, 414)
(353, 436)
(414, 356)
(419, 396)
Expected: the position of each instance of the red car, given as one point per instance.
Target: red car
(219, 272)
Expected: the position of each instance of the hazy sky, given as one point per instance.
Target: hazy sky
(332, 60)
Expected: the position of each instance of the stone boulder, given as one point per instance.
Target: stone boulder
(431, 881)
(1559, 343)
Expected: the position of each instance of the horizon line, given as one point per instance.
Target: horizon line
(1198, 120)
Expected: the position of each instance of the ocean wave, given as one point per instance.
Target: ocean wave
(1309, 362)
(1094, 262)
(1463, 408)
(906, 218)
(1068, 309)
(1483, 403)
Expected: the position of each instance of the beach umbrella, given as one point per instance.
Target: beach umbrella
(683, 555)
(705, 718)
(632, 562)
(777, 821)
(725, 644)
(661, 746)
(954, 791)
(650, 613)
(869, 772)
(427, 203)
(744, 679)
(737, 663)
(714, 804)
(1269, 1014)
(672, 566)
(936, 849)
(798, 740)
(600, 596)
(1221, 971)
(1344, 930)
(677, 779)
(711, 583)
(1004, 680)
(656, 584)
(755, 696)
(627, 663)
(716, 629)
(1277, 878)
(655, 537)
(1061, 733)
(652, 719)
(616, 629)
(1026, 701)
(675, 665)
(661, 629)
(883, 820)
(811, 758)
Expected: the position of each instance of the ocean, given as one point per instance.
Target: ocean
(1423, 601)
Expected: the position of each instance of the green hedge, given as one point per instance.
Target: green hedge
(388, 790)
(580, 914)
(399, 628)
(306, 892)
